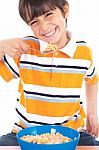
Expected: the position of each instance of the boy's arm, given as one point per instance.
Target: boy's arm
(92, 125)
(13, 47)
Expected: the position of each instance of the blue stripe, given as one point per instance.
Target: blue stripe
(58, 100)
(52, 69)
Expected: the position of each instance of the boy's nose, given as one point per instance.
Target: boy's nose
(44, 27)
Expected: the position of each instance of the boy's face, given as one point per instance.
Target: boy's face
(50, 27)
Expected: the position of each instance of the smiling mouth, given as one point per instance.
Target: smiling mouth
(50, 34)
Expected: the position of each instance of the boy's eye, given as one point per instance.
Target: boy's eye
(49, 14)
(33, 22)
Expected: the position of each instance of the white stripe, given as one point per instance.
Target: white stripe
(55, 61)
(52, 90)
(18, 95)
(81, 44)
(90, 71)
(17, 127)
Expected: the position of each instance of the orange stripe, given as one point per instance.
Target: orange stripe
(93, 80)
(15, 130)
(83, 52)
(5, 73)
(21, 124)
(75, 124)
(54, 79)
(51, 109)
(22, 100)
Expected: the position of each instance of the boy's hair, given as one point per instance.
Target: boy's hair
(28, 9)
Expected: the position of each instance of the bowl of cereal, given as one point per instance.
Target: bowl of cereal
(48, 137)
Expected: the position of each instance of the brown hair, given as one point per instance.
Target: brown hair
(28, 9)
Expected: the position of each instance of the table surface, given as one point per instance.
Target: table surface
(78, 148)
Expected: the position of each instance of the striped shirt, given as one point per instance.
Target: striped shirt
(49, 84)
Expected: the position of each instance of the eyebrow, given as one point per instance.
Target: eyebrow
(28, 21)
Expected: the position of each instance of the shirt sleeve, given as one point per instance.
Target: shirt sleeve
(91, 75)
(9, 68)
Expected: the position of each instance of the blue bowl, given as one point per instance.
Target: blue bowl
(71, 133)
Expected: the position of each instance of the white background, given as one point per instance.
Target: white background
(83, 21)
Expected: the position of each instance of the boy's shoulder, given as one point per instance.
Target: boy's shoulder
(83, 50)
(82, 45)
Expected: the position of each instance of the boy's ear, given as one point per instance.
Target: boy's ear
(66, 11)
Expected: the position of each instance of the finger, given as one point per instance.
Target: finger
(13, 52)
(17, 48)
(94, 126)
(23, 46)
(89, 130)
(95, 131)
(88, 127)
(20, 45)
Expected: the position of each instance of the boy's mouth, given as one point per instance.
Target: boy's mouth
(50, 33)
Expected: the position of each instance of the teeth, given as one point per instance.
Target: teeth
(49, 34)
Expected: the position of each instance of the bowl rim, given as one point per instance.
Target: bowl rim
(74, 139)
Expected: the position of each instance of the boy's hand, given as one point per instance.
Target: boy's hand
(92, 126)
(13, 47)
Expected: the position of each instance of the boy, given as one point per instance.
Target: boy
(50, 83)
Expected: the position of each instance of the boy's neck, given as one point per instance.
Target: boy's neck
(65, 41)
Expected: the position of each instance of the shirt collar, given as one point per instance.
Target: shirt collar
(70, 48)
